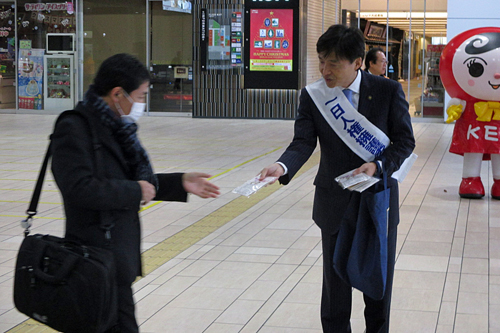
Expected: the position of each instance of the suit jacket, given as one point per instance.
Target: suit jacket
(109, 194)
(381, 75)
(383, 103)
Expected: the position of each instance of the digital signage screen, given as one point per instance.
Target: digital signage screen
(271, 44)
(271, 40)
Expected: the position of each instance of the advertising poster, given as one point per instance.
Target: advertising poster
(271, 38)
(31, 78)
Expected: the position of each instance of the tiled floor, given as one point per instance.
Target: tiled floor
(253, 264)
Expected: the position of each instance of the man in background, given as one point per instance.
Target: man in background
(375, 62)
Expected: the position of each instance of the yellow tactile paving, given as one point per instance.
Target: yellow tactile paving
(172, 246)
(31, 326)
(176, 244)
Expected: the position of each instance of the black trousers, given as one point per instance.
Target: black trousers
(126, 310)
(336, 298)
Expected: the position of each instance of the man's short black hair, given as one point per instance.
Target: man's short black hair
(121, 70)
(372, 56)
(348, 43)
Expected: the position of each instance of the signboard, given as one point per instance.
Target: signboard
(271, 39)
(221, 39)
(25, 44)
(39, 7)
(236, 38)
(181, 72)
(203, 39)
(218, 40)
(181, 6)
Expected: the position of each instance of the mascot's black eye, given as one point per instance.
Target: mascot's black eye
(475, 69)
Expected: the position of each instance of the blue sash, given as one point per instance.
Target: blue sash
(358, 133)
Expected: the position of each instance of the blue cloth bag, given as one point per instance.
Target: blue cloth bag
(360, 257)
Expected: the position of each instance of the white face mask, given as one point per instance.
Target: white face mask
(136, 110)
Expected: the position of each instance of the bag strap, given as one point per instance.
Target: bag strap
(26, 223)
(35, 198)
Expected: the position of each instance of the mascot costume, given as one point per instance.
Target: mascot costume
(470, 72)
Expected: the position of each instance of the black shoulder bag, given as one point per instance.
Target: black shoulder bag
(65, 285)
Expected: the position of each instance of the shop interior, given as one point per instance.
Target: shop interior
(45, 51)
(7, 56)
(413, 34)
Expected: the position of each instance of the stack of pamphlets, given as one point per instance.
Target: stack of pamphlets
(359, 182)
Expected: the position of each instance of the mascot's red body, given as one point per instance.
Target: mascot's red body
(470, 72)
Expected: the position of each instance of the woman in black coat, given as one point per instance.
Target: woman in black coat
(106, 183)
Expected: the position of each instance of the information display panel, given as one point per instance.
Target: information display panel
(271, 44)
(221, 38)
(271, 40)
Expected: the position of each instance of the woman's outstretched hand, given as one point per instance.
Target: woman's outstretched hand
(198, 184)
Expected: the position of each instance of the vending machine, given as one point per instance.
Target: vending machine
(59, 79)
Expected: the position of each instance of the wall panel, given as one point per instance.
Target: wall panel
(220, 93)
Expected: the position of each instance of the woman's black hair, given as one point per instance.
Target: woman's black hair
(121, 70)
(346, 42)
(493, 42)
(372, 56)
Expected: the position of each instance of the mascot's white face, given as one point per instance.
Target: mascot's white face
(476, 66)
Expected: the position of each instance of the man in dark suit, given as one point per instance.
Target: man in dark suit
(382, 102)
(375, 62)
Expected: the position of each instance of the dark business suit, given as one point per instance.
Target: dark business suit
(383, 103)
(114, 197)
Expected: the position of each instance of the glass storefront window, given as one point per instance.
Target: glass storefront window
(171, 57)
(411, 33)
(35, 22)
(7, 55)
(111, 27)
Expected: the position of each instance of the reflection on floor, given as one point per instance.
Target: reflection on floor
(237, 264)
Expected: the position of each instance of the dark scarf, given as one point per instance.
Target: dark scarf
(125, 134)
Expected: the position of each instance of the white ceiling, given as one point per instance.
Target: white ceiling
(434, 27)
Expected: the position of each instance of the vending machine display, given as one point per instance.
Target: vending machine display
(59, 82)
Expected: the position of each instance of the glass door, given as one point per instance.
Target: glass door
(59, 85)
(7, 55)
(170, 56)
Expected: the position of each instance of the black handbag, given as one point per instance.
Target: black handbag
(67, 286)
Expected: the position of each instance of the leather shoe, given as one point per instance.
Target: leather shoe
(495, 189)
(472, 188)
